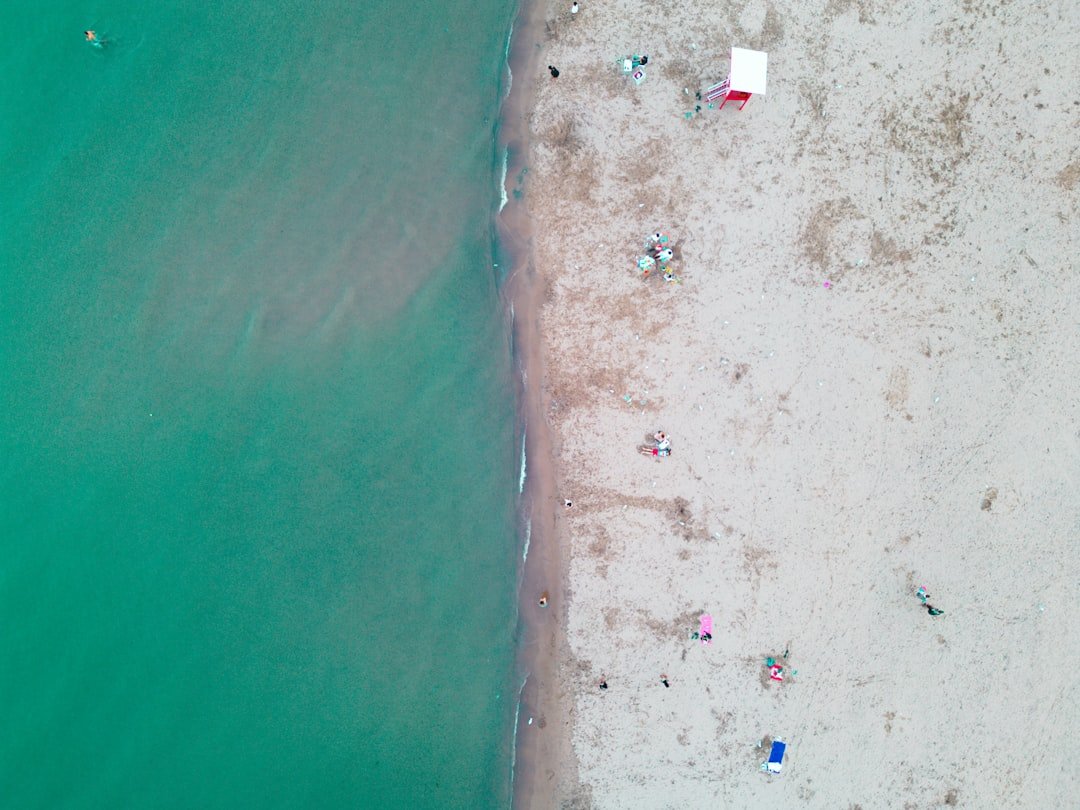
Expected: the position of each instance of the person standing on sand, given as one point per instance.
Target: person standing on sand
(603, 682)
(574, 10)
(665, 682)
(554, 71)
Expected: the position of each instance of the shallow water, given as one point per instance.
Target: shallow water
(256, 428)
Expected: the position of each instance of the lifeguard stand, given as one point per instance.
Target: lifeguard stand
(747, 77)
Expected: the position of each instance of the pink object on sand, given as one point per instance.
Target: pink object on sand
(705, 628)
(826, 284)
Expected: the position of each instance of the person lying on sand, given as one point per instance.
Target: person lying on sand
(662, 447)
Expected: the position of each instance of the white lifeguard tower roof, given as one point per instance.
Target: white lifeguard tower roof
(748, 69)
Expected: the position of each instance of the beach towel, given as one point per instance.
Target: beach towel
(705, 629)
(776, 756)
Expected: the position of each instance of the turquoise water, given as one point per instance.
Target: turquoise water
(257, 459)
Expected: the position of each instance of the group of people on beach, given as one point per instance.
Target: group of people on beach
(658, 250)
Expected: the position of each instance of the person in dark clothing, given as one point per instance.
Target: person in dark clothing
(554, 71)
(933, 611)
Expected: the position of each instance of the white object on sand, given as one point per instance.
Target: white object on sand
(748, 71)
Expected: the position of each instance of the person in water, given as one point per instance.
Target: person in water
(93, 39)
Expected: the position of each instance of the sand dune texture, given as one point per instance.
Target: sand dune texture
(871, 377)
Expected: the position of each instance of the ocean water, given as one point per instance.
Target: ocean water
(257, 451)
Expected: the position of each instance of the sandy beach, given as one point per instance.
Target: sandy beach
(868, 368)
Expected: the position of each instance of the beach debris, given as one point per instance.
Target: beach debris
(826, 284)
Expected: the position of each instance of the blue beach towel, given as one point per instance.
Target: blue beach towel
(776, 756)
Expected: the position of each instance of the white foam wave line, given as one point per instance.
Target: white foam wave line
(503, 198)
(521, 480)
(528, 539)
(517, 719)
(506, 58)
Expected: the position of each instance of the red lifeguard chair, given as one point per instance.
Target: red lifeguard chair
(747, 77)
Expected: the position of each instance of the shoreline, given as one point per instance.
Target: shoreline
(541, 747)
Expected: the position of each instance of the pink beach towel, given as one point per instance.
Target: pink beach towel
(705, 630)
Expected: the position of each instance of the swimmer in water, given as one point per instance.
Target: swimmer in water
(93, 39)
